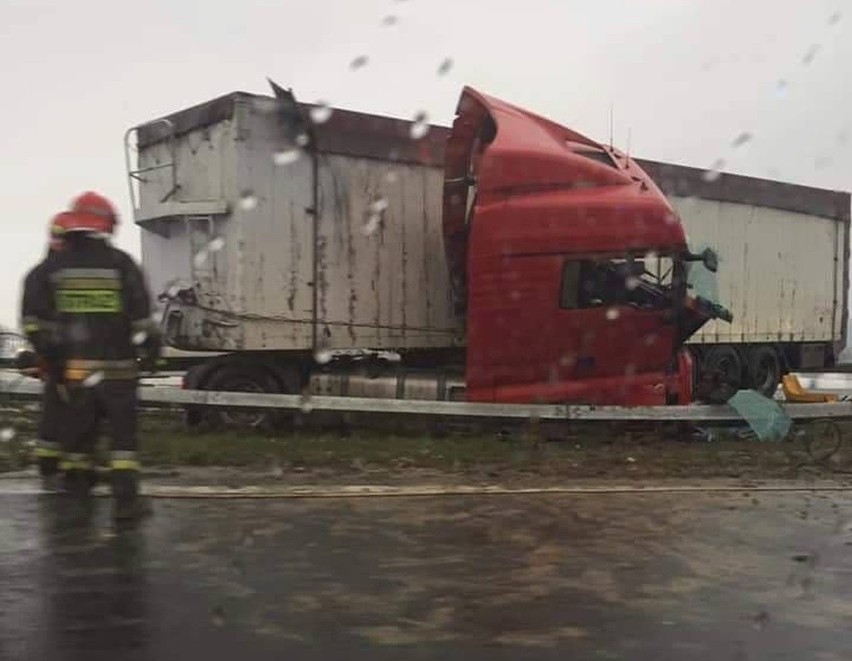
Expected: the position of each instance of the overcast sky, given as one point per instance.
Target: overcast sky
(685, 78)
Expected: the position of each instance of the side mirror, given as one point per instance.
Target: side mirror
(710, 260)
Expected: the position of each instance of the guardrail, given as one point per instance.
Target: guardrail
(169, 395)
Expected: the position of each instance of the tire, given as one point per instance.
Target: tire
(242, 378)
(764, 370)
(720, 375)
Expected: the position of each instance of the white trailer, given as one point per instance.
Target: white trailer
(271, 254)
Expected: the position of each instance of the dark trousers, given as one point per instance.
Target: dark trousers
(50, 429)
(111, 400)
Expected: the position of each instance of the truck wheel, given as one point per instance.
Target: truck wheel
(242, 378)
(720, 375)
(764, 368)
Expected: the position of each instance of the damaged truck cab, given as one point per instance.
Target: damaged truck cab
(568, 264)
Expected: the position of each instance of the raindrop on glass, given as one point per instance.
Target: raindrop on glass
(649, 258)
(373, 221)
(810, 55)
(359, 62)
(200, 258)
(392, 177)
(217, 616)
(216, 244)
(671, 219)
(302, 140)
(248, 200)
(323, 356)
(834, 19)
(306, 405)
(287, 156)
(612, 314)
(390, 20)
(7, 434)
(139, 337)
(715, 170)
(567, 360)
(321, 112)
(632, 282)
(781, 86)
(93, 379)
(630, 369)
(420, 126)
(378, 205)
(445, 67)
(741, 139)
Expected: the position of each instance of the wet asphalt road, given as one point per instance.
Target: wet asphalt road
(653, 576)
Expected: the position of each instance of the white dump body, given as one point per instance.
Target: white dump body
(376, 252)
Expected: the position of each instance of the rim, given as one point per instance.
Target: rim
(242, 417)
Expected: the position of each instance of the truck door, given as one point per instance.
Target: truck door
(612, 332)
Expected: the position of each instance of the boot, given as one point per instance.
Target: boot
(128, 506)
(77, 483)
(48, 470)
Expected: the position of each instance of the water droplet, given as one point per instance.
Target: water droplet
(306, 404)
(632, 282)
(323, 356)
(216, 244)
(842, 138)
(379, 205)
(781, 86)
(200, 258)
(287, 156)
(650, 258)
(810, 54)
(834, 19)
(651, 339)
(359, 62)
(420, 126)
(7, 434)
(93, 379)
(741, 139)
(390, 20)
(671, 219)
(445, 67)
(715, 170)
(277, 471)
(139, 337)
(321, 112)
(248, 200)
(612, 314)
(302, 140)
(373, 221)
(392, 177)
(631, 460)
(217, 616)
(630, 369)
(248, 539)
(567, 360)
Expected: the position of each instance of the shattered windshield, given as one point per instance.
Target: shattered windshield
(701, 281)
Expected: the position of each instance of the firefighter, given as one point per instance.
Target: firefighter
(99, 305)
(48, 450)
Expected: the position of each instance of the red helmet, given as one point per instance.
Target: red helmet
(91, 212)
(58, 225)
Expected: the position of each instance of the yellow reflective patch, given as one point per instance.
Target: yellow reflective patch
(47, 453)
(85, 301)
(125, 465)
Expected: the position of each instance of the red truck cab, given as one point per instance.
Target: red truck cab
(569, 264)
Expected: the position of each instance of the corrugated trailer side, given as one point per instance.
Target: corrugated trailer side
(364, 269)
(784, 265)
